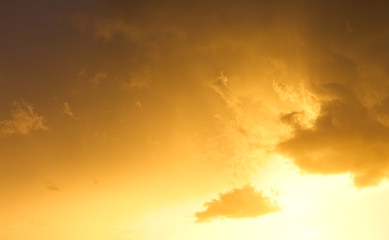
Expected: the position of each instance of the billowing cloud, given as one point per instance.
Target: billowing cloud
(346, 137)
(348, 131)
(23, 120)
(243, 202)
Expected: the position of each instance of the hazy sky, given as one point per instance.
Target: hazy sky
(187, 120)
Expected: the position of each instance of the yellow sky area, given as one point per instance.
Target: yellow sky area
(313, 207)
(190, 120)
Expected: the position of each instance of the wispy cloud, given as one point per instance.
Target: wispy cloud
(66, 110)
(138, 104)
(243, 202)
(134, 85)
(53, 187)
(23, 120)
(220, 86)
(98, 78)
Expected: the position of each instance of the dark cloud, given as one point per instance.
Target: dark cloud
(243, 202)
(346, 137)
(344, 64)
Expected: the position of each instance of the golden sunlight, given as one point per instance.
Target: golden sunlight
(188, 120)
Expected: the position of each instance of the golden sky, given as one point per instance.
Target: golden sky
(187, 120)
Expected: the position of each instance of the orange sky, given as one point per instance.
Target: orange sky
(194, 120)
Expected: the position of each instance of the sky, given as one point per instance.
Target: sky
(186, 120)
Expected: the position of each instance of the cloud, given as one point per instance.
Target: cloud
(134, 85)
(138, 104)
(343, 65)
(23, 120)
(66, 110)
(53, 187)
(220, 86)
(346, 137)
(243, 202)
(247, 134)
(98, 78)
(342, 61)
